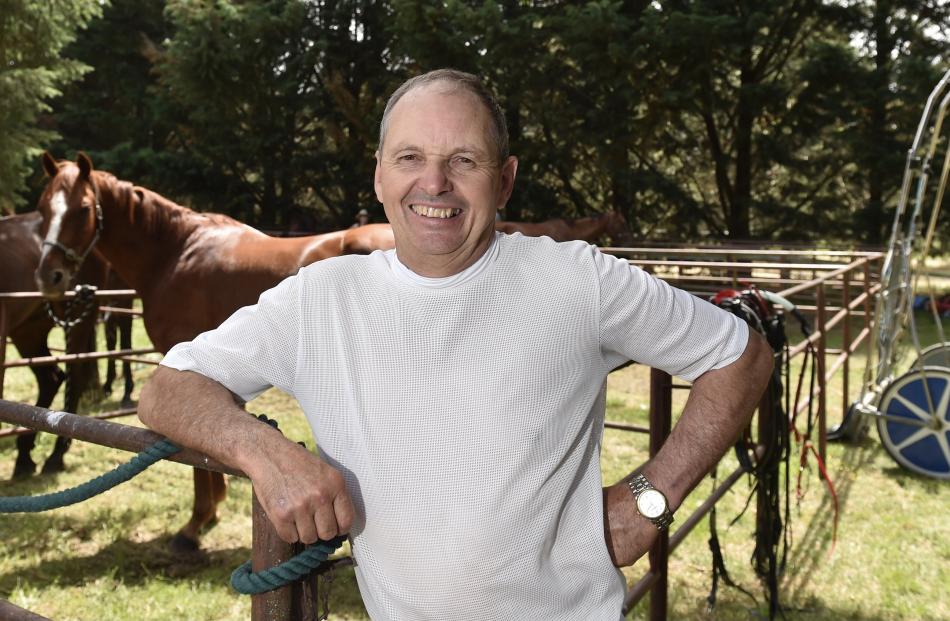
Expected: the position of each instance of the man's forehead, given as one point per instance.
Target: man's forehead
(438, 112)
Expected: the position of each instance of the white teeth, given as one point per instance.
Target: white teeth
(435, 212)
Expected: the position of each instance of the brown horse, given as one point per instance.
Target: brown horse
(191, 270)
(29, 325)
(590, 229)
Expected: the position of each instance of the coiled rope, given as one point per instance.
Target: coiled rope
(243, 580)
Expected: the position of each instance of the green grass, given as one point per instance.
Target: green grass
(107, 558)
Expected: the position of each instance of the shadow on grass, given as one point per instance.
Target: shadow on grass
(138, 563)
(812, 549)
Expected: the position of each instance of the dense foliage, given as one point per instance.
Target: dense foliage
(33, 72)
(768, 119)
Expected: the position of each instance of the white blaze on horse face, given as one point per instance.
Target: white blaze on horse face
(57, 207)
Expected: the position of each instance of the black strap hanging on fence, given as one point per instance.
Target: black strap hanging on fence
(771, 529)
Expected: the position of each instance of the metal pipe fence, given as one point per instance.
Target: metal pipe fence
(817, 289)
(843, 290)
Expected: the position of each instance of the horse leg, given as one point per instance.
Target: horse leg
(30, 341)
(125, 334)
(109, 329)
(81, 376)
(210, 489)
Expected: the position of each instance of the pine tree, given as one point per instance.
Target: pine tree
(32, 72)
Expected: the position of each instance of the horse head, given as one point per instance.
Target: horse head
(618, 229)
(72, 222)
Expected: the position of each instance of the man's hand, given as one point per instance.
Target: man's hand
(628, 534)
(304, 497)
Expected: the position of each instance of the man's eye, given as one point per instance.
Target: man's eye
(463, 162)
(408, 157)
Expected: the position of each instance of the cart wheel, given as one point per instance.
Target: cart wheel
(925, 450)
(937, 355)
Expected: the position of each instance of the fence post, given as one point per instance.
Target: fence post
(3, 343)
(294, 602)
(661, 415)
(821, 353)
(846, 342)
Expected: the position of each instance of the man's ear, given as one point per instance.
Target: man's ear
(377, 179)
(508, 172)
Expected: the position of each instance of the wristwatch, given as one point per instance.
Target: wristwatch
(651, 503)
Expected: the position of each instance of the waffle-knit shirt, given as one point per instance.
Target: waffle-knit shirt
(467, 419)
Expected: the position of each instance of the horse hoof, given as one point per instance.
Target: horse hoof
(54, 465)
(181, 544)
(24, 468)
(127, 402)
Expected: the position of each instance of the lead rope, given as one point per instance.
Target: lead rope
(243, 580)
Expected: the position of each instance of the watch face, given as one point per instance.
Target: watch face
(651, 504)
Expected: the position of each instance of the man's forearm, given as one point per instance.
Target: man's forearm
(195, 411)
(304, 497)
(720, 405)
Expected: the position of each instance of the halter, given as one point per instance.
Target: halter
(71, 254)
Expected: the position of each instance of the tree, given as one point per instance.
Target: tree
(32, 72)
(275, 104)
(113, 113)
(901, 54)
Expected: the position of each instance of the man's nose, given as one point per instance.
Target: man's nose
(435, 179)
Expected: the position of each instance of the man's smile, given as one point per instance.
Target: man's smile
(435, 212)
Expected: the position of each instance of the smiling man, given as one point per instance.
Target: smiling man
(456, 394)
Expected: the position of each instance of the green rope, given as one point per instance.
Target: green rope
(243, 580)
(98, 485)
(248, 583)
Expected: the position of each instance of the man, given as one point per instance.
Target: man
(460, 452)
(362, 219)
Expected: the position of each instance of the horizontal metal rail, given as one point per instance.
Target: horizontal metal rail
(113, 435)
(19, 431)
(36, 295)
(39, 361)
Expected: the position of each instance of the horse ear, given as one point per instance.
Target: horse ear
(85, 165)
(49, 164)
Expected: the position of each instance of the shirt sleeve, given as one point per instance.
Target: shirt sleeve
(254, 349)
(645, 319)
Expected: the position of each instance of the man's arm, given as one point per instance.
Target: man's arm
(303, 496)
(720, 405)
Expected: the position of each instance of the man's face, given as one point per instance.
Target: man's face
(438, 180)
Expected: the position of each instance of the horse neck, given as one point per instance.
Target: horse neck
(140, 231)
(590, 228)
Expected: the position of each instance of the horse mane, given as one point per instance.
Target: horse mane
(158, 216)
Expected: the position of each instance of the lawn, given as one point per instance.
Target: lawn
(107, 558)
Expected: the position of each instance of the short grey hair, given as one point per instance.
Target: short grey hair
(462, 81)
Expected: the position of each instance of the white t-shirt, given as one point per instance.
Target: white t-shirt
(467, 419)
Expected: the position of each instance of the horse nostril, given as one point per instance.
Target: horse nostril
(57, 277)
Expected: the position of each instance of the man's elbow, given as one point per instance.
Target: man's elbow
(761, 361)
(150, 399)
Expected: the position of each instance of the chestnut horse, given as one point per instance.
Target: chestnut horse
(28, 325)
(590, 229)
(192, 270)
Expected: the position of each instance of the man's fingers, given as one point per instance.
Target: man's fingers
(343, 509)
(327, 527)
(306, 528)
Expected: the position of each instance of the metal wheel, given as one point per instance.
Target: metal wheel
(922, 444)
(937, 355)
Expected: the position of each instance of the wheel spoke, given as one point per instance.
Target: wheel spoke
(917, 436)
(944, 446)
(944, 401)
(921, 413)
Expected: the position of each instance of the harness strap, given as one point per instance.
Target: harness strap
(70, 254)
